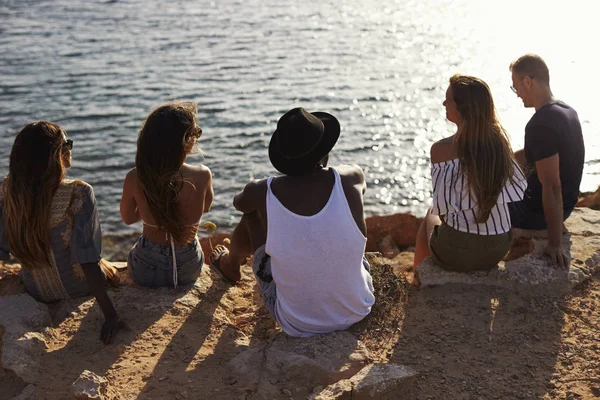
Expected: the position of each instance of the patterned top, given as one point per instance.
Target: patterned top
(451, 198)
(75, 238)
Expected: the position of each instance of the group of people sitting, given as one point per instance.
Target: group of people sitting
(306, 228)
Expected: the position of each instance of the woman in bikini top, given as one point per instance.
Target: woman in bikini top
(168, 196)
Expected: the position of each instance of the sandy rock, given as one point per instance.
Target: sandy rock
(341, 390)
(375, 381)
(591, 200)
(204, 281)
(317, 360)
(388, 247)
(526, 274)
(533, 272)
(10, 282)
(22, 316)
(382, 381)
(244, 366)
(27, 394)
(583, 221)
(150, 300)
(22, 309)
(89, 386)
(190, 300)
(401, 228)
(308, 362)
(21, 354)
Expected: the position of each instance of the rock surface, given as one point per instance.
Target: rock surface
(308, 362)
(27, 394)
(375, 381)
(387, 232)
(532, 272)
(591, 200)
(464, 341)
(89, 386)
(23, 318)
(318, 360)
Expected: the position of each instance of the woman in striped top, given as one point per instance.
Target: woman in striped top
(475, 176)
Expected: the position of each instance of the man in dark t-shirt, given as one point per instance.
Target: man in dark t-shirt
(554, 129)
(553, 156)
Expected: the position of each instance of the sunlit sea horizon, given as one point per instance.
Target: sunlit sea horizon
(98, 68)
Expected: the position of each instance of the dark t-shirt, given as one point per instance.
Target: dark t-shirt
(554, 128)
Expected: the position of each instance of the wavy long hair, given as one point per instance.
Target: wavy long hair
(161, 151)
(35, 171)
(483, 146)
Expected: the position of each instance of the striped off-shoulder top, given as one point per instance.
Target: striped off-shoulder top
(452, 199)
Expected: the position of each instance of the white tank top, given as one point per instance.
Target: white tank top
(316, 263)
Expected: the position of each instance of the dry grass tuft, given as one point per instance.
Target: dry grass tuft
(381, 329)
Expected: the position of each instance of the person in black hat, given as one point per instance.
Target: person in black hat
(306, 231)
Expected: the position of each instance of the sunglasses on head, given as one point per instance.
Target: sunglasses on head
(68, 144)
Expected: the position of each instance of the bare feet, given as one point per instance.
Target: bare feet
(520, 247)
(218, 262)
(112, 274)
(410, 275)
(412, 278)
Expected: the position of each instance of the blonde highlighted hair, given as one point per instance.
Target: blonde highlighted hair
(36, 169)
(483, 147)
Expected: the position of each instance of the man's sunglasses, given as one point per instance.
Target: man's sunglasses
(68, 144)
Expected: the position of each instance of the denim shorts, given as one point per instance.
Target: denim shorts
(522, 217)
(151, 264)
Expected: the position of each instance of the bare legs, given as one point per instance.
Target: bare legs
(425, 230)
(247, 236)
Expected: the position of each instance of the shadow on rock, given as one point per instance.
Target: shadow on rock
(80, 320)
(460, 338)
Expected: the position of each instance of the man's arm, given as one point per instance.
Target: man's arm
(520, 157)
(549, 176)
(355, 186)
(247, 201)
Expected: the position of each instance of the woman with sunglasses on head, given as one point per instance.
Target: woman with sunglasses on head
(169, 197)
(50, 224)
(474, 176)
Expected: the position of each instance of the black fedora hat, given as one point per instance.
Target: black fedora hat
(301, 140)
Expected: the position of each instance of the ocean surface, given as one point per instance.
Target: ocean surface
(98, 68)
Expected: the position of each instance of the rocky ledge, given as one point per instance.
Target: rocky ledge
(213, 340)
(532, 272)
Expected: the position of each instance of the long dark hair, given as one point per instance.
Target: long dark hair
(35, 171)
(161, 151)
(482, 144)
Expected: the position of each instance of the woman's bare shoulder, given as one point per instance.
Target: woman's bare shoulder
(200, 175)
(197, 173)
(131, 179)
(443, 150)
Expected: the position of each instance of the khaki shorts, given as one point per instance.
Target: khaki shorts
(463, 252)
